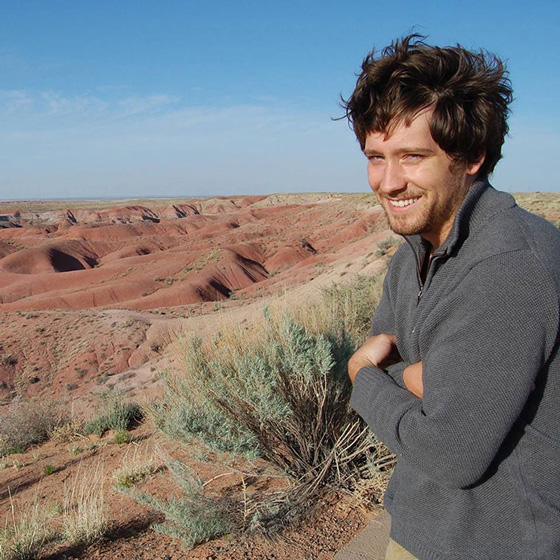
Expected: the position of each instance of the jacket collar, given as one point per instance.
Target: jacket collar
(481, 203)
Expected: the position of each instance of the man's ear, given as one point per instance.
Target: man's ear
(474, 167)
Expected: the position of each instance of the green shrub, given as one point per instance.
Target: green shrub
(194, 518)
(113, 414)
(48, 470)
(122, 436)
(279, 389)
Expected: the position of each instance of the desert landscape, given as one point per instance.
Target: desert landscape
(99, 300)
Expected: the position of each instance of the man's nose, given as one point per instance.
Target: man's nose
(393, 179)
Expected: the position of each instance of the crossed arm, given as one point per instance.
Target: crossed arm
(479, 366)
(381, 351)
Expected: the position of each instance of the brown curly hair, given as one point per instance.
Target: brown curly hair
(468, 93)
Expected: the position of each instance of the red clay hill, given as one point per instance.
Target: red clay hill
(140, 257)
(94, 289)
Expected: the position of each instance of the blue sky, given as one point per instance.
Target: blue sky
(184, 98)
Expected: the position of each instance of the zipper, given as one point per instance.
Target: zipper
(418, 271)
(437, 255)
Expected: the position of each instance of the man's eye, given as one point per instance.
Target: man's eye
(375, 158)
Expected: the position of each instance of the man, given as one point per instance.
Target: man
(461, 375)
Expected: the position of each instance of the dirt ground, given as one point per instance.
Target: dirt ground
(24, 483)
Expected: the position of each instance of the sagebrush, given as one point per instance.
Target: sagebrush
(194, 517)
(278, 388)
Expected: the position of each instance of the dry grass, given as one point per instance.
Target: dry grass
(137, 466)
(25, 536)
(84, 514)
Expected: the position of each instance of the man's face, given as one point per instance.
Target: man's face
(414, 181)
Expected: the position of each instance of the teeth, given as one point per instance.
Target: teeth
(403, 203)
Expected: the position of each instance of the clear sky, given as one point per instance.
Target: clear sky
(137, 98)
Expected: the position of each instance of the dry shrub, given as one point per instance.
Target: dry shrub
(68, 432)
(29, 423)
(193, 518)
(351, 304)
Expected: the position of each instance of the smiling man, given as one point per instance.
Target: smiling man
(461, 374)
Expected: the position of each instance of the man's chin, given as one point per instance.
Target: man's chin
(402, 228)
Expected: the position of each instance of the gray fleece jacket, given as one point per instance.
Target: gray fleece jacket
(478, 475)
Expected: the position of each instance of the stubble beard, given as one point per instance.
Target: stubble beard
(429, 217)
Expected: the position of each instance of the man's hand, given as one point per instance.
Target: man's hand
(377, 351)
(412, 377)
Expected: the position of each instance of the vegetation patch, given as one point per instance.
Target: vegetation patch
(113, 414)
(85, 518)
(122, 436)
(194, 518)
(384, 246)
(133, 473)
(277, 389)
(29, 423)
(24, 538)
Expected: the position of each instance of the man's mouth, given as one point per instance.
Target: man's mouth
(402, 202)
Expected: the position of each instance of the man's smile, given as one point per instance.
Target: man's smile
(402, 202)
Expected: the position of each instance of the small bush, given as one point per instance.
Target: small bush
(194, 518)
(122, 436)
(8, 360)
(352, 304)
(113, 414)
(384, 246)
(135, 469)
(279, 389)
(48, 470)
(68, 432)
(29, 423)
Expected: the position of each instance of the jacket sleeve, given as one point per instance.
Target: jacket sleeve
(481, 349)
(383, 322)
